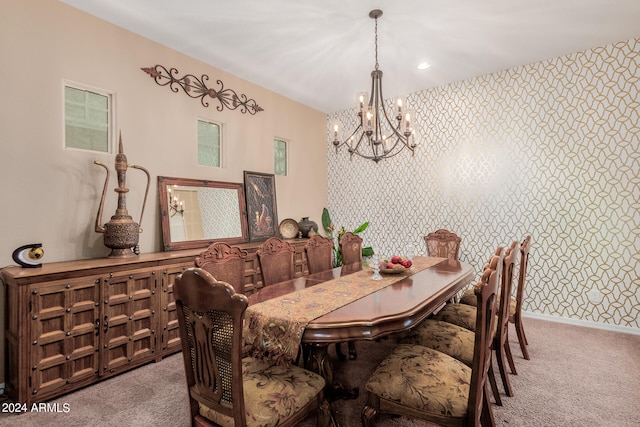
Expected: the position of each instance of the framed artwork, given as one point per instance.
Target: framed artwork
(260, 193)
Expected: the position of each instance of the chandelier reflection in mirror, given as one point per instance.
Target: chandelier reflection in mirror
(378, 135)
(176, 207)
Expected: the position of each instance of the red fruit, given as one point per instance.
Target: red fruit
(396, 259)
(406, 263)
(390, 265)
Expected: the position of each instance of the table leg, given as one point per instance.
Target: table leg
(321, 363)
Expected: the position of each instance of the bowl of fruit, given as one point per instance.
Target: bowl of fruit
(395, 265)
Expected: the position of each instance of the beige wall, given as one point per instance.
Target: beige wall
(550, 149)
(50, 194)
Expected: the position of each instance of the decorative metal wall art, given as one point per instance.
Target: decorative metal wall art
(197, 88)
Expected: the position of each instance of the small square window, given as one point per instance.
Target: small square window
(280, 157)
(208, 143)
(87, 119)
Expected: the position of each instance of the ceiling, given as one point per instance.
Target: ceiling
(321, 52)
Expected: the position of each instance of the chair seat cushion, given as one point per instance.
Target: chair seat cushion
(459, 314)
(469, 298)
(272, 393)
(423, 379)
(445, 337)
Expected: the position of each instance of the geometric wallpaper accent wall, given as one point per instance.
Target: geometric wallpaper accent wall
(550, 149)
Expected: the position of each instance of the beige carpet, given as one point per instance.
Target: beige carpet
(577, 376)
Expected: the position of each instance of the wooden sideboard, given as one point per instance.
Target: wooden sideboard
(70, 324)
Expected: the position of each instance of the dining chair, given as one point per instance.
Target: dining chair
(224, 388)
(443, 243)
(515, 308)
(351, 250)
(464, 315)
(319, 252)
(226, 263)
(454, 340)
(276, 261)
(420, 382)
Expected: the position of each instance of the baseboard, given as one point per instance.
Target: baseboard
(580, 322)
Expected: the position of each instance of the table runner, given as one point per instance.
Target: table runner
(273, 328)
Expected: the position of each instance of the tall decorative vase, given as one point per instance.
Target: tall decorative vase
(306, 225)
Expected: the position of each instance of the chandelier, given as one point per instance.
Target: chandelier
(378, 135)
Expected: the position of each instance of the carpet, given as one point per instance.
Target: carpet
(577, 376)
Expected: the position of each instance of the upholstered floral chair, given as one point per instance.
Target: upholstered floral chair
(464, 315)
(225, 389)
(420, 382)
(351, 249)
(455, 340)
(515, 306)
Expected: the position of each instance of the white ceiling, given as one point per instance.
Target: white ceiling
(321, 52)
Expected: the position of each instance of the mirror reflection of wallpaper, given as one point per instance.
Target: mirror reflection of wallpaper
(550, 149)
(220, 208)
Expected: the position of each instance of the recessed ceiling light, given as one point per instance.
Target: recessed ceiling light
(423, 65)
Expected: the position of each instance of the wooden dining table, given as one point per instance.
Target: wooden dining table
(411, 297)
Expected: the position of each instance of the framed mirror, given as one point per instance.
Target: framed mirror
(194, 213)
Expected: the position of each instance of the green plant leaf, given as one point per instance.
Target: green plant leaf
(326, 221)
(361, 228)
(367, 251)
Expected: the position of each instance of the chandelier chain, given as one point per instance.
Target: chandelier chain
(376, 42)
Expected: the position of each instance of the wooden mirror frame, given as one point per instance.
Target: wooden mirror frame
(169, 245)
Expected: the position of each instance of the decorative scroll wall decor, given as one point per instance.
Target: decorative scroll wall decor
(197, 88)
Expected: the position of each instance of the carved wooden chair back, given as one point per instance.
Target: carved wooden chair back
(443, 243)
(486, 292)
(501, 341)
(276, 258)
(351, 248)
(515, 315)
(225, 263)
(319, 253)
(211, 316)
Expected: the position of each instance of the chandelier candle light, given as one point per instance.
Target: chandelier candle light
(378, 136)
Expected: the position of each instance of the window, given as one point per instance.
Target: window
(280, 157)
(208, 143)
(87, 119)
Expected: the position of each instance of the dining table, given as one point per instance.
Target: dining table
(343, 304)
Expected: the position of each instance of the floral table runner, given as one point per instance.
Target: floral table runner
(273, 328)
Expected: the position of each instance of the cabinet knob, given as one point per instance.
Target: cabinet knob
(130, 296)
(68, 286)
(68, 357)
(68, 310)
(130, 317)
(68, 333)
(35, 343)
(34, 317)
(34, 292)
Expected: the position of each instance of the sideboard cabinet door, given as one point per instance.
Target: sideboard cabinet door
(170, 334)
(64, 335)
(128, 319)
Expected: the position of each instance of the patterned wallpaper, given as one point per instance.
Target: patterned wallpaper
(550, 149)
(220, 207)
